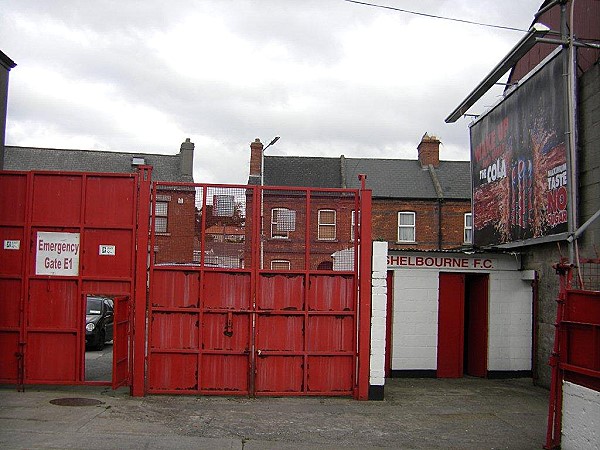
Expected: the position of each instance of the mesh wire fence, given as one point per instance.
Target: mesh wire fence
(235, 227)
(587, 275)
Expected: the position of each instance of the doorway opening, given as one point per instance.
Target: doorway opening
(99, 337)
(462, 325)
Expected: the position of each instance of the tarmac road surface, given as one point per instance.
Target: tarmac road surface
(467, 413)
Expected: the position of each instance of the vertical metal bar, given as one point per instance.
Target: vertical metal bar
(553, 429)
(307, 282)
(255, 266)
(80, 345)
(364, 322)
(24, 307)
(140, 281)
(201, 284)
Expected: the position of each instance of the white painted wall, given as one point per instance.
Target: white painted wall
(415, 319)
(510, 322)
(378, 314)
(580, 418)
(415, 315)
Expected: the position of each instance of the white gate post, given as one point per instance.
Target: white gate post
(378, 320)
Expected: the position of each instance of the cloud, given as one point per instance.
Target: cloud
(328, 76)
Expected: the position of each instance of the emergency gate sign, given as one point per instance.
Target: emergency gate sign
(57, 254)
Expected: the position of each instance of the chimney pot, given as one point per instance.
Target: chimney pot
(429, 151)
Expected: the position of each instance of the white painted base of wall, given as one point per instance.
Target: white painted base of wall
(580, 418)
(378, 314)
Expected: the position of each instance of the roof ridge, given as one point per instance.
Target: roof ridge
(87, 150)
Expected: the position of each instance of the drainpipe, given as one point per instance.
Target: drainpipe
(440, 200)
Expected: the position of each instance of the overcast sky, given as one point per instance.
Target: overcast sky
(329, 76)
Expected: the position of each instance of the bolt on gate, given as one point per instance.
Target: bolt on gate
(255, 291)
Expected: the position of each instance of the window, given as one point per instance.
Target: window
(280, 264)
(468, 228)
(352, 226)
(406, 227)
(275, 228)
(160, 217)
(326, 225)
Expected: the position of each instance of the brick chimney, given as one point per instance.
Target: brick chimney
(429, 151)
(256, 152)
(186, 158)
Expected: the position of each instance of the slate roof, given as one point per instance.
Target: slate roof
(302, 171)
(388, 178)
(165, 167)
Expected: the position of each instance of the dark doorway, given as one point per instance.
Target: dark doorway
(462, 325)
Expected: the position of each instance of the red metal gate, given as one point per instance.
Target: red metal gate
(63, 236)
(255, 291)
(576, 352)
(121, 342)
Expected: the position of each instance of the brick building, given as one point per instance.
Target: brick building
(175, 207)
(421, 204)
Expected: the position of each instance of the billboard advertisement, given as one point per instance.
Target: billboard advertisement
(519, 163)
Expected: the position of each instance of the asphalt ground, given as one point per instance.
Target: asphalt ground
(467, 413)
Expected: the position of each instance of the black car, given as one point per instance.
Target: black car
(99, 319)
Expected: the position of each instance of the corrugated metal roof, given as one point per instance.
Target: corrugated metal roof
(165, 167)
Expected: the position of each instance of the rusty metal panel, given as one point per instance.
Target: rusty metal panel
(175, 289)
(281, 291)
(260, 318)
(226, 331)
(11, 250)
(226, 291)
(330, 375)
(51, 357)
(331, 293)
(109, 201)
(224, 373)
(13, 195)
(53, 304)
(331, 333)
(106, 287)
(57, 199)
(121, 352)
(10, 302)
(280, 332)
(107, 253)
(45, 311)
(9, 348)
(172, 372)
(173, 330)
(279, 374)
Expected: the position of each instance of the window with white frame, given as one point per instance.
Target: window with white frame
(326, 225)
(468, 228)
(352, 226)
(280, 264)
(275, 228)
(406, 226)
(161, 210)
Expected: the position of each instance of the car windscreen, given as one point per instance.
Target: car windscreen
(94, 306)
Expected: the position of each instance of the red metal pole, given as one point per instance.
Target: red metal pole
(553, 430)
(364, 304)
(138, 375)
